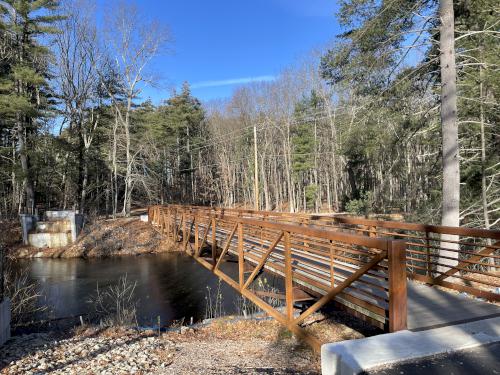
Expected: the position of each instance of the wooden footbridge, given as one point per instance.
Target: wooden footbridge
(380, 271)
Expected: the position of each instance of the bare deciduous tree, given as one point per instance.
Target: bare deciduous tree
(131, 45)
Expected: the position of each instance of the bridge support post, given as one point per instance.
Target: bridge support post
(214, 243)
(288, 278)
(398, 298)
(196, 235)
(184, 231)
(174, 225)
(241, 259)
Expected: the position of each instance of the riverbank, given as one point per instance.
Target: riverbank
(102, 238)
(244, 347)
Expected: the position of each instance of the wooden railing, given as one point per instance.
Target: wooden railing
(474, 254)
(365, 274)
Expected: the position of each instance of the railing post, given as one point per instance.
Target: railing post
(288, 277)
(332, 265)
(168, 222)
(174, 223)
(162, 222)
(196, 233)
(184, 231)
(428, 255)
(241, 260)
(214, 242)
(398, 299)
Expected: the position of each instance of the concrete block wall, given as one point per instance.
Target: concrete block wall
(76, 220)
(60, 228)
(51, 240)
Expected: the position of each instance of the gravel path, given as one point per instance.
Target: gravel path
(129, 352)
(93, 354)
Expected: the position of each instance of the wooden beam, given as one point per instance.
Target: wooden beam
(288, 278)
(398, 299)
(241, 256)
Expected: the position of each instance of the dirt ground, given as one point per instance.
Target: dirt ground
(103, 238)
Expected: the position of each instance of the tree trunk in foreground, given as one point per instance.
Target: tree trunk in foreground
(450, 156)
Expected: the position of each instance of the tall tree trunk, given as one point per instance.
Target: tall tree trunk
(81, 170)
(450, 156)
(128, 172)
(115, 166)
(85, 177)
(15, 194)
(484, 187)
(27, 181)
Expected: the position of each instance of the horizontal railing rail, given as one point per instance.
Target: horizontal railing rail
(458, 258)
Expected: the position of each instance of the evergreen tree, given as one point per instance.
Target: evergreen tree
(25, 95)
(181, 127)
(304, 148)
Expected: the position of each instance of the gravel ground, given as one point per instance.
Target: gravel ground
(89, 354)
(129, 352)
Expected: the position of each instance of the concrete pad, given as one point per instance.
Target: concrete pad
(4, 320)
(355, 356)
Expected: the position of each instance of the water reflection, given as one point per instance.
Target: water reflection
(172, 286)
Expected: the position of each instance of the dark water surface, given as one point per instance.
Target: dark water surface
(173, 286)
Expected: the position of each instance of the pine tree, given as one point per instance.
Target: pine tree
(182, 126)
(25, 96)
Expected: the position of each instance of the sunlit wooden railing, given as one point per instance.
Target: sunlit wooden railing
(365, 274)
(474, 254)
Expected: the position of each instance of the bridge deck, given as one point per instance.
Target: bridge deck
(432, 308)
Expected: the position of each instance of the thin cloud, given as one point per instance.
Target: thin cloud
(232, 81)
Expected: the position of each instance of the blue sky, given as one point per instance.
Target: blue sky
(220, 44)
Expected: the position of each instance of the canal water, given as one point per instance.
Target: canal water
(172, 285)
